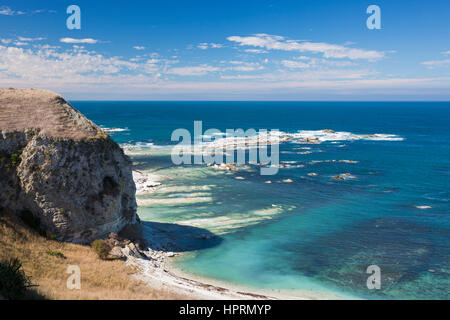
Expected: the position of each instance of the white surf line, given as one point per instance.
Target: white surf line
(156, 274)
(270, 137)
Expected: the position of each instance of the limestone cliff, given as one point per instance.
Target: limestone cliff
(62, 168)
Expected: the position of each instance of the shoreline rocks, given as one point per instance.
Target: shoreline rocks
(145, 182)
(344, 176)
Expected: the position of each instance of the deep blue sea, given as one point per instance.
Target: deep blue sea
(302, 229)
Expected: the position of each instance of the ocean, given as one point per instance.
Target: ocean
(334, 208)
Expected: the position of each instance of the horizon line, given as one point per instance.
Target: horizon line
(269, 100)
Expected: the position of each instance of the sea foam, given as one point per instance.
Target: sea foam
(220, 142)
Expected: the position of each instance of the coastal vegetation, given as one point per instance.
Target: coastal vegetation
(13, 281)
(102, 248)
(42, 272)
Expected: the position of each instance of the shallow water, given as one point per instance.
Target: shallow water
(316, 233)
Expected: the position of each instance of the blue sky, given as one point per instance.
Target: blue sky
(228, 50)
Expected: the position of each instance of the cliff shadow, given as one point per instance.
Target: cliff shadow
(178, 238)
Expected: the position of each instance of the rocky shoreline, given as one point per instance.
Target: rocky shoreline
(146, 183)
(155, 270)
(150, 257)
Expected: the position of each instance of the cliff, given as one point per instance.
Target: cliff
(62, 168)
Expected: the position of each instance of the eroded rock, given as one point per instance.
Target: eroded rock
(62, 168)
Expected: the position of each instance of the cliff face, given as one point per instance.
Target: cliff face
(62, 168)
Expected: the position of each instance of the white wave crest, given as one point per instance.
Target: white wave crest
(113, 130)
(224, 142)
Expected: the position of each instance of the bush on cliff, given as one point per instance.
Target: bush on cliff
(102, 248)
(13, 281)
(15, 159)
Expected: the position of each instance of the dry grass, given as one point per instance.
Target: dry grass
(99, 279)
(45, 111)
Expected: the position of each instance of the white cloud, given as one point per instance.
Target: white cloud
(242, 77)
(345, 87)
(75, 69)
(295, 64)
(84, 73)
(7, 11)
(21, 41)
(72, 40)
(245, 68)
(241, 66)
(206, 45)
(315, 75)
(139, 47)
(337, 63)
(446, 52)
(46, 46)
(192, 71)
(436, 63)
(272, 42)
(31, 39)
(307, 73)
(303, 62)
(42, 11)
(255, 51)
(46, 65)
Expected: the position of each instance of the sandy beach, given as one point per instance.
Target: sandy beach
(157, 271)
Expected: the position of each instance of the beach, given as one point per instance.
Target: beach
(156, 270)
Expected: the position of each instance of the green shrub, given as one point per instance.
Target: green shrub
(15, 159)
(56, 254)
(103, 135)
(13, 281)
(102, 248)
(50, 236)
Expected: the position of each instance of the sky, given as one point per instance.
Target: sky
(229, 50)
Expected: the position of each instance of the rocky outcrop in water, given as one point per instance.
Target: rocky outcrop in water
(63, 169)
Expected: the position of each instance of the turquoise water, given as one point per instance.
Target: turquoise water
(315, 233)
